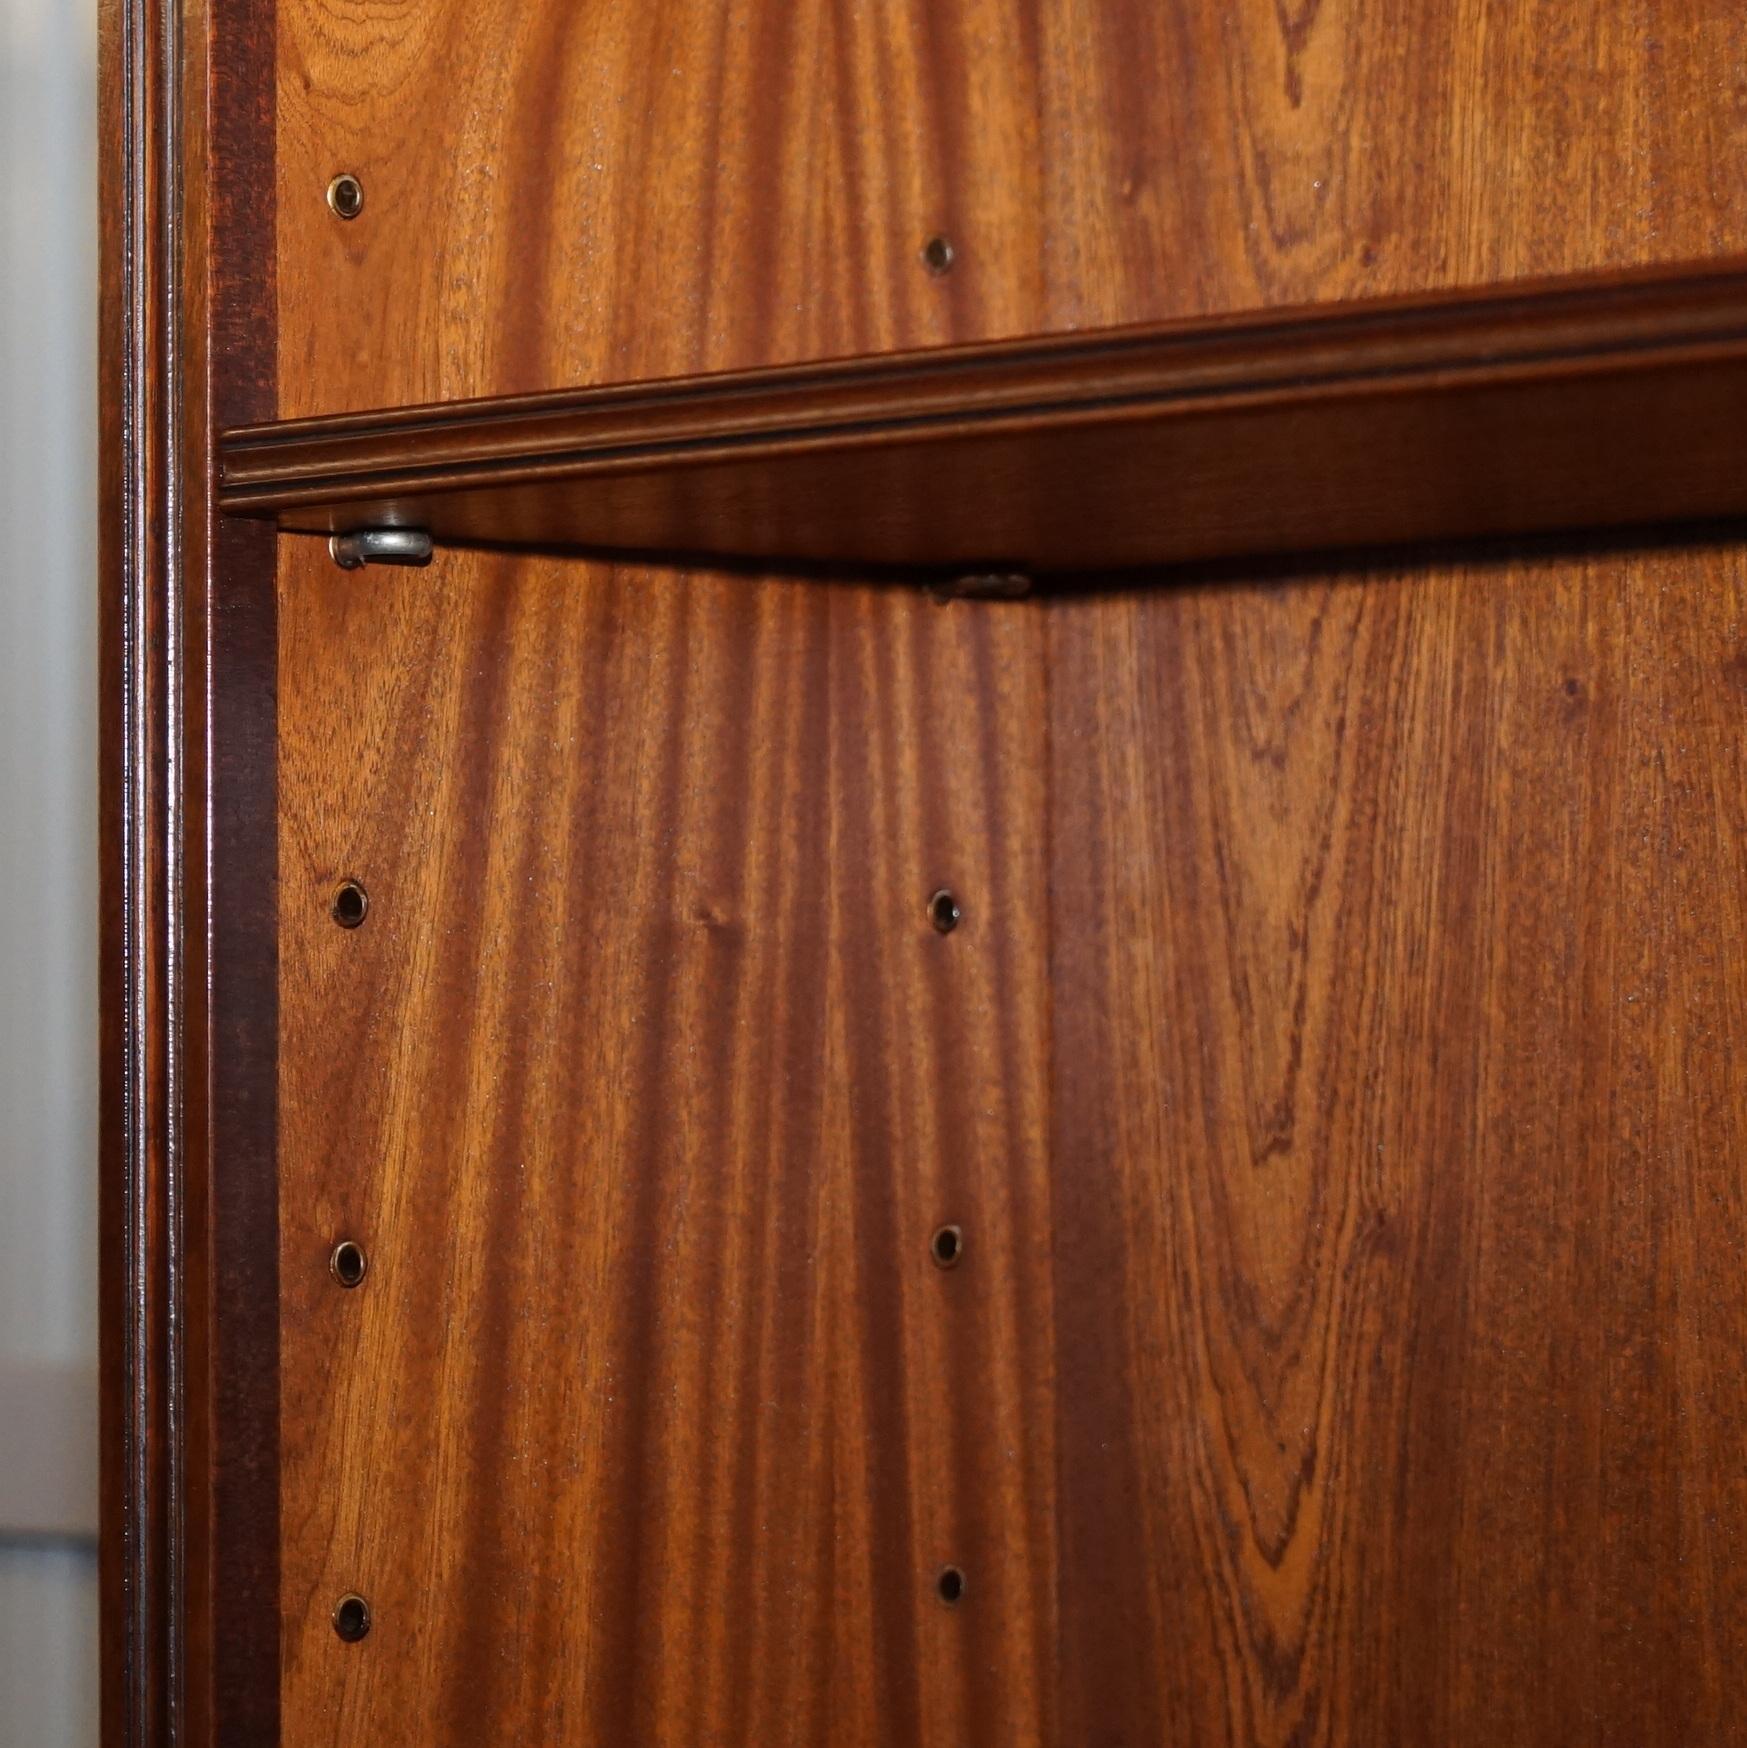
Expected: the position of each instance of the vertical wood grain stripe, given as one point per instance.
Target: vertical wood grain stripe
(1397, 959)
(1332, 1074)
(653, 1414)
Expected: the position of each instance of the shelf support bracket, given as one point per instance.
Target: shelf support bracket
(362, 546)
(984, 586)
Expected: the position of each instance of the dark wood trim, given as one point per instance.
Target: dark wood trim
(188, 1195)
(133, 1508)
(1604, 402)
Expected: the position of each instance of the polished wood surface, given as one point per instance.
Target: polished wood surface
(1396, 958)
(644, 1085)
(618, 190)
(188, 1202)
(1398, 963)
(1602, 402)
(1331, 1073)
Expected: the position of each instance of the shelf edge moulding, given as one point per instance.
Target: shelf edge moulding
(1603, 402)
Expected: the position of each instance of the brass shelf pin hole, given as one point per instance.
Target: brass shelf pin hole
(351, 1618)
(346, 195)
(351, 904)
(348, 1263)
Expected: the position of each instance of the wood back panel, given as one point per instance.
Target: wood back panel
(1331, 1074)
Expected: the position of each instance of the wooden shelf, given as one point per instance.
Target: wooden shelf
(1597, 403)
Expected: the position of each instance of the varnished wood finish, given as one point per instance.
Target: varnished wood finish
(1607, 402)
(644, 1085)
(1397, 963)
(611, 192)
(190, 1494)
(1342, 1041)
(1399, 970)
(684, 1457)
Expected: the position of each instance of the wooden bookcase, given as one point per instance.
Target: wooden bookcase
(1007, 1010)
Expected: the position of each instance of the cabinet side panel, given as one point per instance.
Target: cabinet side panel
(1381, 1385)
(644, 1086)
(638, 188)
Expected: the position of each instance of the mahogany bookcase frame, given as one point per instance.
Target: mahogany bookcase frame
(188, 1259)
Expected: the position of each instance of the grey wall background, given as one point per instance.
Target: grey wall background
(48, 872)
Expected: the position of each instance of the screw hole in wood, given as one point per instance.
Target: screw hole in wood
(938, 256)
(351, 904)
(943, 912)
(946, 1247)
(348, 1263)
(351, 1618)
(346, 195)
(950, 1586)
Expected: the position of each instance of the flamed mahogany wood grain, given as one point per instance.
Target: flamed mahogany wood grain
(644, 1085)
(1399, 1291)
(1611, 401)
(1340, 1033)
(1397, 965)
(683, 1462)
(619, 190)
